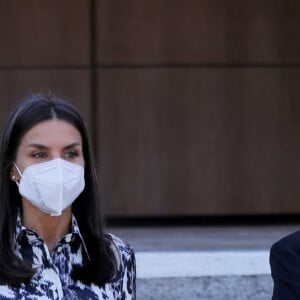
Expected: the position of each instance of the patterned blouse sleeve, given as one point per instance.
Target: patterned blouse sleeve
(129, 280)
(126, 276)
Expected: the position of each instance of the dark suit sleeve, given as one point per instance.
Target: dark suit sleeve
(285, 267)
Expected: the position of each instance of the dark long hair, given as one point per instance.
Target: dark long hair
(102, 264)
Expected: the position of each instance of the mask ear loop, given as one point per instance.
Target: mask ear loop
(18, 170)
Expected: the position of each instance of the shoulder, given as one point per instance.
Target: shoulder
(285, 254)
(125, 276)
(287, 245)
(285, 267)
(123, 251)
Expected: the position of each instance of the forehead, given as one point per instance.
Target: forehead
(52, 132)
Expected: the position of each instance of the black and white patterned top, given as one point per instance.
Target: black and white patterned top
(52, 279)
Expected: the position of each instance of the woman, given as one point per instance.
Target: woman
(52, 242)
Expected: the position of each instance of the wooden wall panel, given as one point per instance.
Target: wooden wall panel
(199, 141)
(74, 85)
(198, 32)
(44, 33)
(197, 100)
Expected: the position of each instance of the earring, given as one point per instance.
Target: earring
(13, 178)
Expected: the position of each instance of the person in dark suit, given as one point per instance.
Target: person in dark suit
(285, 267)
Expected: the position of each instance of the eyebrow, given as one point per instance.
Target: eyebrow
(43, 147)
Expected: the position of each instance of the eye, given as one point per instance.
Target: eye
(71, 154)
(39, 155)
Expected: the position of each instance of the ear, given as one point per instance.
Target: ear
(13, 174)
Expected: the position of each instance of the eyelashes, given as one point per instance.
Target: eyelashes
(71, 154)
(39, 155)
(45, 155)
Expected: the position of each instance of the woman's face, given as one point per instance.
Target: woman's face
(48, 140)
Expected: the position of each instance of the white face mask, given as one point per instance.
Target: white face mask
(53, 185)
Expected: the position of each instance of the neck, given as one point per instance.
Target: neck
(50, 229)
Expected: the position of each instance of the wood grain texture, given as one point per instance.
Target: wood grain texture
(196, 102)
(198, 32)
(44, 33)
(194, 142)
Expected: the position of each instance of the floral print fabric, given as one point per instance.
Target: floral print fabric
(52, 279)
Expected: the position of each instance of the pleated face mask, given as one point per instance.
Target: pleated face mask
(53, 185)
